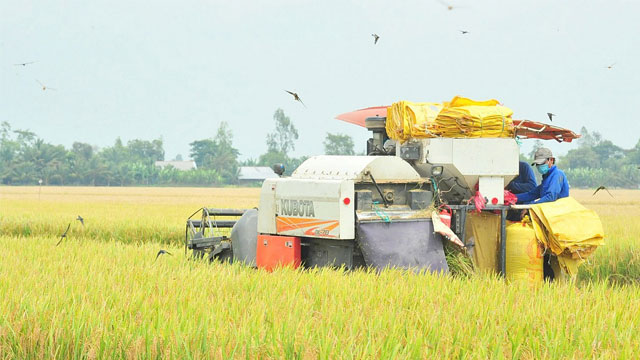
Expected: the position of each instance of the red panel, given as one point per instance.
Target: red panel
(275, 250)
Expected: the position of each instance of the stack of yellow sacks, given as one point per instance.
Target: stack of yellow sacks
(411, 120)
(458, 118)
(571, 231)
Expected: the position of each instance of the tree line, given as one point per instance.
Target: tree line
(597, 162)
(26, 159)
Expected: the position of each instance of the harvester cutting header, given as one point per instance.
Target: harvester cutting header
(394, 207)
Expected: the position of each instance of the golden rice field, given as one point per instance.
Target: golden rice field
(100, 294)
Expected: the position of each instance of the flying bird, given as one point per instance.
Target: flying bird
(44, 87)
(601, 187)
(162, 252)
(447, 5)
(24, 63)
(64, 234)
(610, 66)
(375, 38)
(296, 97)
(550, 115)
(463, 32)
(79, 218)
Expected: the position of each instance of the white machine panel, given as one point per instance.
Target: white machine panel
(267, 207)
(489, 162)
(493, 188)
(482, 156)
(335, 167)
(490, 156)
(307, 208)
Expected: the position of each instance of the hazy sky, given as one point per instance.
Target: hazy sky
(176, 69)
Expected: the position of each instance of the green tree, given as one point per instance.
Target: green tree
(632, 156)
(83, 150)
(250, 162)
(79, 160)
(338, 144)
(608, 153)
(225, 161)
(9, 149)
(217, 154)
(588, 139)
(116, 154)
(282, 139)
(280, 142)
(273, 157)
(202, 152)
(583, 157)
(594, 152)
(45, 158)
(145, 151)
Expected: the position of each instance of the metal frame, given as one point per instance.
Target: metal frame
(461, 224)
(204, 235)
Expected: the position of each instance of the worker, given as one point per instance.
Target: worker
(524, 182)
(554, 186)
(554, 183)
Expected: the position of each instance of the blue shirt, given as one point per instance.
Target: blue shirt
(554, 186)
(526, 180)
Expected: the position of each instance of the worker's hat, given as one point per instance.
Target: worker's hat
(542, 154)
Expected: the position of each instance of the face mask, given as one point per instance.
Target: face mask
(543, 169)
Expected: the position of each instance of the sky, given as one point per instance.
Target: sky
(176, 69)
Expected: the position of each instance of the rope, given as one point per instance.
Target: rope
(383, 216)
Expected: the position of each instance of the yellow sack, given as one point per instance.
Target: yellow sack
(570, 230)
(406, 119)
(524, 259)
(460, 117)
(483, 230)
(462, 101)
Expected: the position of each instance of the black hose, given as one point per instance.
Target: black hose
(386, 204)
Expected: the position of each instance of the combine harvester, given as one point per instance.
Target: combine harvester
(378, 210)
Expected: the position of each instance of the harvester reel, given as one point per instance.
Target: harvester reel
(209, 235)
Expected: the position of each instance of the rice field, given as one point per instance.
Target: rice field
(129, 215)
(102, 294)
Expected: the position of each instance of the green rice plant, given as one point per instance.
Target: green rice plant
(128, 215)
(97, 299)
(102, 294)
(139, 215)
(460, 263)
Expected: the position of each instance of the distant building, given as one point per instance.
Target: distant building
(180, 165)
(253, 174)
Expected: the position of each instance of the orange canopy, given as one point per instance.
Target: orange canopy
(358, 117)
(527, 129)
